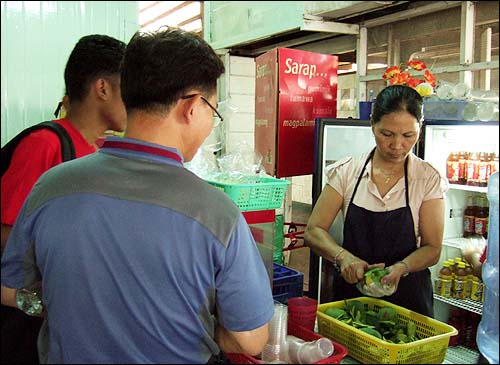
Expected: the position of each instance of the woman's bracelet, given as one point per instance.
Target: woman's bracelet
(335, 263)
(407, 270)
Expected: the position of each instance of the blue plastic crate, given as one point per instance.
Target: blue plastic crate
(287, 283)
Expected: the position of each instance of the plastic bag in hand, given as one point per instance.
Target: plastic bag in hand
(371, 285)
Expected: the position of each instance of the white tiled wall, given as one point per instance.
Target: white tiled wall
(241, 125)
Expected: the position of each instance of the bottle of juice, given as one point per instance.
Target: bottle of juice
(483, 169)
(481, 219)
(473, 169)
(446, 277)
(462, 167)
(469, 216)
(468, 280)
(459, 282)
(452, 167)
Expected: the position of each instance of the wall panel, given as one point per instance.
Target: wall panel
(37, 37)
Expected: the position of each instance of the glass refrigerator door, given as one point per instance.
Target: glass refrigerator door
(335, 138)
(442, 139)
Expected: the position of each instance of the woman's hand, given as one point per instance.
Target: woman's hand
(396, 271)
(352, 268)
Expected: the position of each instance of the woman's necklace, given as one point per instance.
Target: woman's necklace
(388, 176)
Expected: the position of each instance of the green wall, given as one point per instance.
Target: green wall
(36, 39)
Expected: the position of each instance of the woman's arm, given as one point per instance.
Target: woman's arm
(316, 236)
(431, 227)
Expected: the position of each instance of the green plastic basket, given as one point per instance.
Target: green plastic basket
(266, 193)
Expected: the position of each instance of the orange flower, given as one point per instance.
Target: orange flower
(416, 65)
(400, 78)
(411, 82)
(430, 78)
(396, 76)
(390, 72)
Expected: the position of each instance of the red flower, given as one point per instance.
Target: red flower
(430, 78)
(411, 82)
(416, 65)
(390, 72)
(400, 78)
(396, 76)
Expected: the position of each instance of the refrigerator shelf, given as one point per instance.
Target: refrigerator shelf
(467, 304)
(479, 189)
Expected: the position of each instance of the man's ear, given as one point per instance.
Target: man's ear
(188, 109)
(102, 89)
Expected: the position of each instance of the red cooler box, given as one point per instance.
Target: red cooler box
(292, 88)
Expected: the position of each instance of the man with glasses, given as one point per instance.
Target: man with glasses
(148, 263)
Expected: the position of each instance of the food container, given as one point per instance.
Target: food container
(368, 349)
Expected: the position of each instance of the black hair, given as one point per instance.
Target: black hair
(94, 56)
(396, 98)
(161, 67)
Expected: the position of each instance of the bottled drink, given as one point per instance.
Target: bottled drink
(483, 167)
(452, 167)
(459, 282)
(462, 167)
(468, 281)
(481, 218)
(446, 277)
(487, 332)
(473, 169)
(456, 321)
(29, 299)
(477, 289)
(469, 216)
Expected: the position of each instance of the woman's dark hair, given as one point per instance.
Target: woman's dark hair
(94, 56)
(397, 98)
(161, 67)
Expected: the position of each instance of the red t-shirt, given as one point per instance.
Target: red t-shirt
(35, 154)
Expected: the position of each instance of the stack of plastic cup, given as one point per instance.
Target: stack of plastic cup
(276, 348)
(308, 352)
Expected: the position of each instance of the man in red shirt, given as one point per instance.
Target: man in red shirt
(94, 103)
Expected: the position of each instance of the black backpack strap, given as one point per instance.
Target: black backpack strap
(67, 147)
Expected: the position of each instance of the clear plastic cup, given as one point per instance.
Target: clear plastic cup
(308, 352)
(278, 326)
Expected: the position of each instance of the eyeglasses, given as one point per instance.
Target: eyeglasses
(216, 121)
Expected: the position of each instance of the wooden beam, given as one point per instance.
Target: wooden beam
(167, 13)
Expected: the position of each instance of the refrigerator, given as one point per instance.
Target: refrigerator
(334, 138)
(438, 139)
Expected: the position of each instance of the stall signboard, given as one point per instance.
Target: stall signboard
(292, 88)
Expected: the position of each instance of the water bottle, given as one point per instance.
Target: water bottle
(487, 332)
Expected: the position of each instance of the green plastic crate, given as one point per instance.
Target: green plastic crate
(265, 194)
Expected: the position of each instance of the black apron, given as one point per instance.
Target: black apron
(385, 237)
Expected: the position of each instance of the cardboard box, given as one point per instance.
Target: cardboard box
(292, 88)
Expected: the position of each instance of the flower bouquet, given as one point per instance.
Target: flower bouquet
(397, 76)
